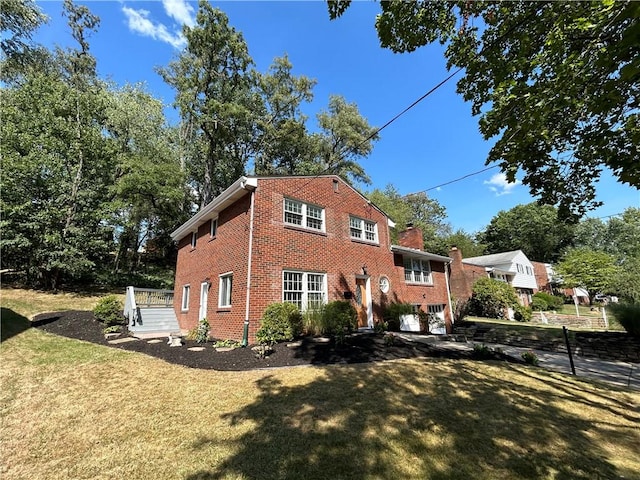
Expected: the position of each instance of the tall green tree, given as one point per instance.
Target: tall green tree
(19, 19)
(418, 209)
(592, 270)
(555, 83)
(533, 228)
(56, 165)
(284, 142)
(618, 236)
(218, 102)
(464, 241)
(148, 189)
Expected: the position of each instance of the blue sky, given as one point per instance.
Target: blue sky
(435, 142)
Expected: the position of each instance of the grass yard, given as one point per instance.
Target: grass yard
(70, 409)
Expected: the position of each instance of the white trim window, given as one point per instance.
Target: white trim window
(360, 229)
(213, 227)
(225, 289)
(194, 239)
(186, 290)
(417, 271)
(303, 215)
(306, 290)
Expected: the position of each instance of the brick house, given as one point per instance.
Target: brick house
(304, 240)
(513, 268)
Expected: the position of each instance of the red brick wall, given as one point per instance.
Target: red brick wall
(542, 279)
(278, 247)
(412, 238)
(463, 275)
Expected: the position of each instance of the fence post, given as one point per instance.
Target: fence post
(566, 340)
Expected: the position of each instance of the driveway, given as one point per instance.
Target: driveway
(622, 374)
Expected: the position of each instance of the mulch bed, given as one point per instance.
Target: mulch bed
(357, 348)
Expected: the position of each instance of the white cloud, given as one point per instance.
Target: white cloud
(180, 10)
(499, 184)
(139, 22)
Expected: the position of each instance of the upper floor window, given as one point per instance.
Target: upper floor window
(306, 290)
(303, 215)
(194, 238)
(519, 268)
(186, 289)
(213, 227)
(360, 229)
(417, 271)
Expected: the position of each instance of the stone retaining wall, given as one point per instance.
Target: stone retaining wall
(605, 345)
(569, 320)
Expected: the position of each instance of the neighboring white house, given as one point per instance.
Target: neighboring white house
(513, 268)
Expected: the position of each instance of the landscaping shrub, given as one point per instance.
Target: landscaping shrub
(538, 304)
(313, 321)
(339, 317)
(491, 298)
(522, 313)
(461, 308)
(391, 314)
(531, 358)
(109, 311)
(628, 315)
(202, 332)
(552, 302)
(280, 322)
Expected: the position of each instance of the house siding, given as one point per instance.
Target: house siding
(278, 246)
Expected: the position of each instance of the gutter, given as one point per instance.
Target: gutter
(446, 279)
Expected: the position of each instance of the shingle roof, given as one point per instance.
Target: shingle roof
(494, 259)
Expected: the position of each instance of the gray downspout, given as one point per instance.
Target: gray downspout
(245, 332)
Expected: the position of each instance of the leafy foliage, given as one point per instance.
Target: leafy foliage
(280, 322)
(590, 269)
(544, 301)
(202, 331)
(628, 314)
(626, 281)
(392, 312)
(19, 19)
(531, 358)
(109, 310)
(535, 229)
(555, 82)
(491, 298)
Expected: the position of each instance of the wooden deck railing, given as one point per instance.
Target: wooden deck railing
(150, 297)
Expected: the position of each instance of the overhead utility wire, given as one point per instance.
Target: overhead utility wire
(378, 130)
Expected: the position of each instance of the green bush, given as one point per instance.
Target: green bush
(538, 304)
(552, 302)
(491, 298)
(531, 358)
(339, 317)
(202, 332)
(391, 314)
(280, 322)
(628, 314)
(109, 311)
(313, 322)
(522, 313)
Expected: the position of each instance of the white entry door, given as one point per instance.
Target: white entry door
(204, 295)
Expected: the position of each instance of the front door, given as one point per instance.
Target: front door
(204, 296)
(362, 302)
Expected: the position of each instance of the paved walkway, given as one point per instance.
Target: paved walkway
(622, 374)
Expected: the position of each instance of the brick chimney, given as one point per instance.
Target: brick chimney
(411, 237)
(456, 254)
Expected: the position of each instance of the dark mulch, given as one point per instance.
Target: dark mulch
(357, 348)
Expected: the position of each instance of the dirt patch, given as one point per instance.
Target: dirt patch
(356, 348)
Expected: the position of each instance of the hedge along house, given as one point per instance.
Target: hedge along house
(304, 240)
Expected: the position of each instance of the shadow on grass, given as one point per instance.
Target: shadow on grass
(12, 323)
(417, 419)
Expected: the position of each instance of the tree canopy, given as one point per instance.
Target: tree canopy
(592, 270)
(555, 83)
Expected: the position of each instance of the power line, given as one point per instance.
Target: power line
(452, 181)
(449, 77)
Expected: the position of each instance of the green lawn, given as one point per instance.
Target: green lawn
(75, 410)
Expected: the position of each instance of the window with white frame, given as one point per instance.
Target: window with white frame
(224, 292)
(417, 270)
(186, 289)
(303, 215)
(306, 290)
(360, 229)
(194, 238)
(213, 228)
(519, 268)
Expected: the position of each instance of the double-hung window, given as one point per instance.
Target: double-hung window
(303, 215)
(224, 292)
(306, 290)
(360, 229)
(417, 271)
(186, 290)
(213, 227)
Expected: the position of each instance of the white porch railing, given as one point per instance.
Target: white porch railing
(150, 298)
